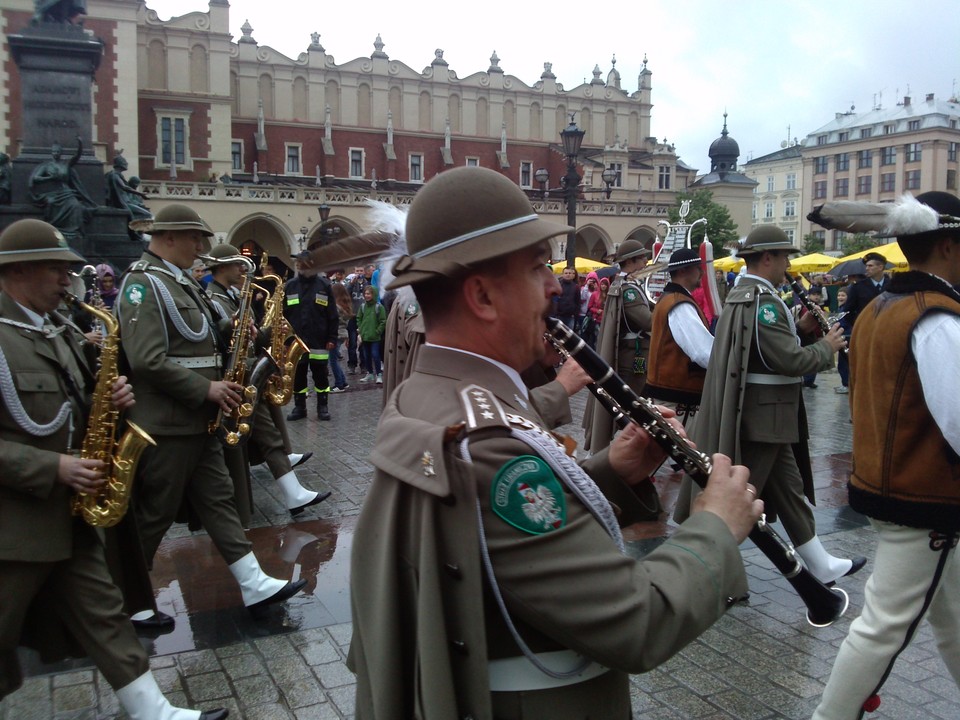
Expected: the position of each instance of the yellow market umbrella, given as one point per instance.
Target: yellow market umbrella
(726, 264)
(814, 262)
(891, 251)
(583, 265)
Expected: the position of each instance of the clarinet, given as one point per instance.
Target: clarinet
(823, 321)
(824, 605)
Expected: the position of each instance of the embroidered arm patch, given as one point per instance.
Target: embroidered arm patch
(767, 313)
(630, 295)
(134, 293)
(527, 495)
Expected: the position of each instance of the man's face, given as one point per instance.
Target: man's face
(874, 270)
(43, 284)
(635, 263)
(779, 262)
(181, 247)
(198, 272)
(523, 298)
(231, 275)
(368, 271)
(569, 274)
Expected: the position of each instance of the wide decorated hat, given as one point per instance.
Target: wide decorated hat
(766, 238)
(33, 240)
(463, 217)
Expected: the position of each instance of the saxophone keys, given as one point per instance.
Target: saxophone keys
(243, 429)
(245, 410)
(232, 438)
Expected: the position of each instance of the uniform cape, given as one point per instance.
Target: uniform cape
(716, 427)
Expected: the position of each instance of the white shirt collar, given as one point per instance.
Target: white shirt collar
(38, 320)
(507, 370)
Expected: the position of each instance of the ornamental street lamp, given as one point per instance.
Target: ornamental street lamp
(572, 138)
(327, 234)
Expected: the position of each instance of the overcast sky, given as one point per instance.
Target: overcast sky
(769, 63)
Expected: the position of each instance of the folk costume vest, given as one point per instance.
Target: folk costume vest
(671, 375)
(904, 471)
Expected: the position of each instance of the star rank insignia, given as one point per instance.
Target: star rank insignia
(482, 408)
(427, 462)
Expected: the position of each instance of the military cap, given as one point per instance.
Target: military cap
(463, 217)
(173, 217)
(224, 254)
(682, 258)
(33, 240)
(630, 249)
(766, 238)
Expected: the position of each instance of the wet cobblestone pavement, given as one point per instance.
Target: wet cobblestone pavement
(760, 662)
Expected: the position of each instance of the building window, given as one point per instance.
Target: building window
(913, 125)
(838, 237)
(768, 210)
(416, 167)
(820, 189)
(843, 137)
(791, 181)
(951, 179)
(753, 216)
(954, 124)
(912, 152)
(888, 182)
(912, 180)
(790, 234)
(843, 161)
(820, 235)
(173, 139)
(820, 165)
(293, 159)
(865, 159)
(526, 174)
(236, 155)
(841, 187)
(664, 177)
(356, 162)
(864, 185)
(865, 133)
(790, 208)
(952, 152)
(889, 129)
(888, 156)
(618, 180)
(473, 162)
(769, 183)
(821, 139)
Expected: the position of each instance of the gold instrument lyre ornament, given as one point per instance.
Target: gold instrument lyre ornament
(233, 427)
(106, 507)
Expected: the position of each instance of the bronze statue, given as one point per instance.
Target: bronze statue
(124, 195)
(56, 187)
(58, 11)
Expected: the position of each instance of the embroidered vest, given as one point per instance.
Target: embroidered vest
(904, 471)
(671, 375)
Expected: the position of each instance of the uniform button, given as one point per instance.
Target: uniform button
(460, 646)
(453, 570)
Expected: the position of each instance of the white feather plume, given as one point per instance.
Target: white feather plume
(392, 219)
(909, 217)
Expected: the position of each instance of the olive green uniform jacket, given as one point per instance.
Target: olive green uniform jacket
(754, 334)
(424, 622)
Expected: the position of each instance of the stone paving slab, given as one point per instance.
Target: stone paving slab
(759, 662)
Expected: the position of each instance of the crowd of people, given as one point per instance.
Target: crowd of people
(483, 545)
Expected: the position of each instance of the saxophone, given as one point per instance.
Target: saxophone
(106, 507)
(285, 354)
(233, 428)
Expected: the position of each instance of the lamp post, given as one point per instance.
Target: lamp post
(572, 137)
(327, 234)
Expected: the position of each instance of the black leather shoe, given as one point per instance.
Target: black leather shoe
(316, 501)
(298, 413)
(303, 458)
(218, 714)
(858, 562)
(159, 622)
(323, 413)
(284, 593)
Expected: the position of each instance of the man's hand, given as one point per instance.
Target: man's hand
(573, 377)
(94, 338)
(122, 394)
(729, 496)
(83, 475)
(225, 394)
(835, 338)
(634, 455)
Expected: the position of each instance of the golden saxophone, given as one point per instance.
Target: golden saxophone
(233, 428)
(107, 506)
(286, 354)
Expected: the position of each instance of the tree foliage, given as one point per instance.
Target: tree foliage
(812, 244)
(720, 228)
(855, 243)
